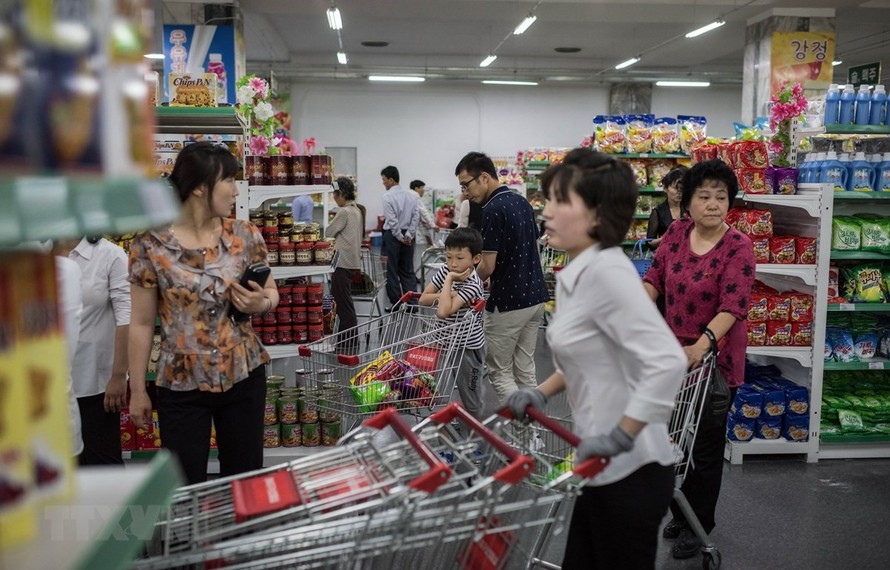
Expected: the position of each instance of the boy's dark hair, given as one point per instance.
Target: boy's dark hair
(475, 163)
(674, 175)
(390, 172)
(201, 163)
(345, 188)
(603, 183)
(416, 184)
(465, 238)
(715, 170)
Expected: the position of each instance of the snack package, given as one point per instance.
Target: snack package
(784, 180)
(865, 345)
(368, 373)
(757, 307)
(193, 89)
(874, 231)
(768, 428)
(773, 400)
(756, 334)
(638, 167)
(778, 334)
(805, 250)
(706, 152)
(834, 289)
(863, 283)
(754, 181)
(665, 138)
(369, 394)
(750, 154)
(639, 133)
(747, 403)
(657, 168)
(778, 308)
(736, 218)
(739, 429)
(760, 223)
(782, 250)
(796, 427)
(797, 398)
(841, 344)
(610, 134)
(761, 249)
(846, 234)
(693, 132)
(801, 334)
(801, 307)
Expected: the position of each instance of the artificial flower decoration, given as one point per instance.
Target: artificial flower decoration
(257, 114)
(788, 105)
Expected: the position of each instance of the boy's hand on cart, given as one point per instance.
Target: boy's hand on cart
(519, 400)
(606, 445)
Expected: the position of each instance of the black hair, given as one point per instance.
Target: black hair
(201, 164)
(710, 170)
(474, 164)
(345, 188)
(416, 184)
(390, 172)
(674, 175)
(465, 238)
(603, 183)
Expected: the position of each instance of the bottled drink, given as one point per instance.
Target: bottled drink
(216, 65)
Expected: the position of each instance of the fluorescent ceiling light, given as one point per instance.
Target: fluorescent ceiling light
(341, 57)
(683, 83)
(627, 63)
(403, 78)
(334, 20)
(837, 62)
(499, 82)
(154, 56)
(705, 29)
(525, 24)
(488, 61)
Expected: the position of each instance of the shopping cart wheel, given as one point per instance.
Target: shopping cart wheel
(710, 560)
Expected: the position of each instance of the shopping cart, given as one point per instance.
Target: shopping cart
(407, 359)
(433, 257)
(552, 262)
(367, 283)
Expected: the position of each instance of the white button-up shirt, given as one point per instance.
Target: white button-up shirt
(400, 211)
(106, 306)
(617, 354)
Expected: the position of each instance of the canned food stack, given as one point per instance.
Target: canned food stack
(298, 319)
(289, 243)
(299, 417)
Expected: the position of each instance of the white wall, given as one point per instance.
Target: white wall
(424, 129)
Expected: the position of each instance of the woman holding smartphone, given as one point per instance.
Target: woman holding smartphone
(210, 368)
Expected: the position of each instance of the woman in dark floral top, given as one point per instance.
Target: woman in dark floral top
(209, 367)
(705, 271)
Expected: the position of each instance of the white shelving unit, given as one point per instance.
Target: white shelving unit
(804, 215)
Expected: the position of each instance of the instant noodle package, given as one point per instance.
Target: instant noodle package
(768, 406)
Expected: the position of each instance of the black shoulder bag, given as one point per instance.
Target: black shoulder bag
(719, 395)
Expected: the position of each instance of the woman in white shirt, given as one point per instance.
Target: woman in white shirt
(99, 367)
(618, 360)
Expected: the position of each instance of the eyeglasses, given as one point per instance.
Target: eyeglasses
(466, 185)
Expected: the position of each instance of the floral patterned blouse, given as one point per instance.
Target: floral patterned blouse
(200, 347)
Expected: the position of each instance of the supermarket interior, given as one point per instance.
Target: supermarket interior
(113, 115)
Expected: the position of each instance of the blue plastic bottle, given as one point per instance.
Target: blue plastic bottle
(882, 179)
(804, 171)
(878, 113)
(816, 168)
(863, 103)
(832, 104)
(862, 174)
(844, 159)
(848, 97)
(833, 172)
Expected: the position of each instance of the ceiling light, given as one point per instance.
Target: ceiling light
(499, 82)
(488, 61)
(525, 24)
(334, 19)
(402, 78)
(683, 83)
(154, 56)
(627, 63)
(341, 57)
(837, 62)
(705, 29)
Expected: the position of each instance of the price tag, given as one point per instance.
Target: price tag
(847, 307)
(875, 365)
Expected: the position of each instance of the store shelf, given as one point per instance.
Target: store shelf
(861, 196)
(837, 449)
(857, 129)
(651, 190)
(258, 195)
(802, 354)
(44, 207)
(642, 216)
(806, 273)
(735, 451)
(648, 155)
(807, 202)
(873, 364)
(289, 271)
(105, 525)
(859, 307)
(205, 120)
(275, 455)
(835, 254)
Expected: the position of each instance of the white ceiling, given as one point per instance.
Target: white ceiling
(448, 38)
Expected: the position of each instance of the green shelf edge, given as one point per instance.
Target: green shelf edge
(144, 455)
(854, 438)
(154, 495)
(857, 129)
(860, 308)
(642, 216)
(862, 195)
(832, 365)
(168, 111)
(858, 255)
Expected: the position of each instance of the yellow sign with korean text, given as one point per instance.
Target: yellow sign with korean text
(801, 57)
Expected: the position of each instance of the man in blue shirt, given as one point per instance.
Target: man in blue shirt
(302, 208)
(510, 259)
(400, 218)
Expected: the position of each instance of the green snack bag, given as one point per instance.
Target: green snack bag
(867, 283)
(874, 232)
(846, 234)
(369, 395)
(850, 421)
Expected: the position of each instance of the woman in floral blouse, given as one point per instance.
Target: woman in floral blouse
(209, 367)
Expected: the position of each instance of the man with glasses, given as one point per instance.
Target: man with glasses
(400, 215)
(510, 259)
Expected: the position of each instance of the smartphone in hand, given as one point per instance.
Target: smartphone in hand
(258, 272)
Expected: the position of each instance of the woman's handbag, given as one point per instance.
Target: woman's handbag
(719, 395)
(638, 258)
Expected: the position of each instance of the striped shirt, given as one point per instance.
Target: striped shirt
(469, 290)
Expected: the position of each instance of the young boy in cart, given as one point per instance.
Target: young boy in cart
(455, 287)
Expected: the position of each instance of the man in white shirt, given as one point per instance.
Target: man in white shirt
(425, 225)
(400, 219)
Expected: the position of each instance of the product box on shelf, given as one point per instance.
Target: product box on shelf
(127, 431)
(148, 438)
(193, 89)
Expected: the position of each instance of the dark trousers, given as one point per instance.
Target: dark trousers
(341, 288)
(702, 484)
(101, 432)
(616, 525)
(184, 419)
(400, 277)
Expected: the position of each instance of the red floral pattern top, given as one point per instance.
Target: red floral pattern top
(200, 347)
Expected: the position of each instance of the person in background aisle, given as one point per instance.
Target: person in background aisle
(70, 309)
(425, 219)
(210, 367)
(99, 368)
(455, 287)
(302, 208)
(665, 213)
(346, 227)
(401, 216)
(470, 213)
(705, 271)
(510, 259)
(617, 359)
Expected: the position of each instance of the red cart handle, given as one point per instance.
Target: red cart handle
(477, 305)
(520, 465)
(590, 467)
(439, 472)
